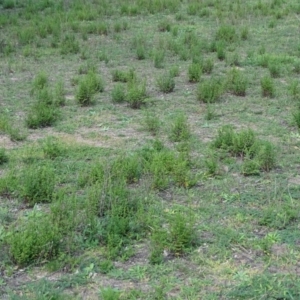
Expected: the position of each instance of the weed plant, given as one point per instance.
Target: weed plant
(88, 87)
(226, 33)
(195, 72)
(179, 239)
(294, 90)
(33, 239)
(40, 82)
(250, 167)
(158, 59)
(180, 130)
(45, 96)
(37, 184)
(165, 25)
(6, 127)
(266, 156)
(59, 94)
(69, 45)
(41, 115)
(267, 87)
(166, 83)
(8, 4)
(207, 66)
(220, 49)
(182, 234)
(210, 90)
(52, 147)
(275, 69)
(123, 76)
(237, 82)
(212, 165)
(136, 94)
(139, 43)
(174, 71)
(296, 68)
(152, 123)
(118, 94)
(3, 156)
(246, 145)
(244, 33)
(181, 174)
(209, 113)
(296, 117)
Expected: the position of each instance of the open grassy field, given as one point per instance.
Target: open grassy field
(149, 149)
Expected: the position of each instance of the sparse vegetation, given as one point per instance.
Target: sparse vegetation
(119, 178)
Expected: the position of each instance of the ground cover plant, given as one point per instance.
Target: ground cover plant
(149, 149)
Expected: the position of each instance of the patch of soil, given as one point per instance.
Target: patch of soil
(6, 143)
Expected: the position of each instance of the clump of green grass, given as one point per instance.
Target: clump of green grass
(174, 71)
(103, 56)
(52, 147)
(8, 4)
(118, 93)
(226, 33)
(178, 240)
(3, 156)
(37, 184)
(267, 87)
(7, 127)
(210, 90)
(296, 68)
(60, 94)
(42, 115)
(158, 58)
(152, 123)
(246, 145)
(195, 72)
(166, 83)
(33, 239)
(274, 69)
(207, 66)
(109, 294)
(182, 234)
(235, 143)
(180, 130)
(69, 45)
(265, 155)
(84, 95)
(140, 45)
(220, 49)
(120, 26)
(296, 117)
(165, 25)
(294, 90)
(244, 33)
(237, 82)
(40, 82)
(100, 28)
(123, 76)
(212, 165)
(136, 94)
(264, 60)
(250, 167)
(88, 87)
